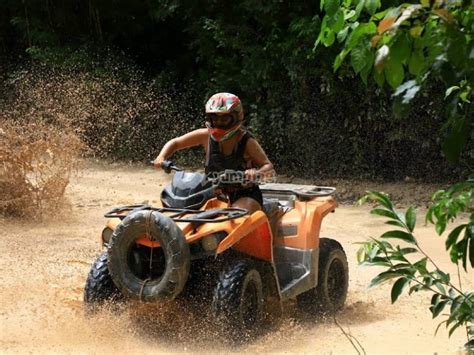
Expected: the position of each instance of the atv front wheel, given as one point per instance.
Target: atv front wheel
(333, 279)
(143, 273)
(237, 303)
(100, 288)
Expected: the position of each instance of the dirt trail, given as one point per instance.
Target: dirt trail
(44, 267)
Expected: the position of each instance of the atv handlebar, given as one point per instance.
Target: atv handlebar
(221, 178)
(168, 166)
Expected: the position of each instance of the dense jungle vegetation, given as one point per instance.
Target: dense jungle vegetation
(127, 75)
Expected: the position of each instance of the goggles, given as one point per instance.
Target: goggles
(223, 121)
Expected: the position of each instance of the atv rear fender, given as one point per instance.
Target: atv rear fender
(299, 228)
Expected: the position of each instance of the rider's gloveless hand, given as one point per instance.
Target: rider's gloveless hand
(158, 162)
(251, 175)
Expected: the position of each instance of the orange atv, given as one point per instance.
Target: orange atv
(244, 265)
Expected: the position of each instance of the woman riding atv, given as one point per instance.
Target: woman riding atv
(228, 145)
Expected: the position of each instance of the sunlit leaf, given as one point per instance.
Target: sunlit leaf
(359, 32)
(414, 288)
(382, 199)
(382, 277)
(409, 12)
(349, 14)
(383, 213)
(410, 218)
(381, 57)
(436, 310)
(359, 56)
(339, 59)
(440, 287)
(398, 287)
(331, 6)
(336, 21)
(453, 328)
(372, 6)
(442, 276)
(359, 8)
(440, 227)
(416, 31)
(420, 265)
(439, 325)
(471, 250)
(405, 251)
(407, 237)
(342, 35)
(453, 236)
(407, 91)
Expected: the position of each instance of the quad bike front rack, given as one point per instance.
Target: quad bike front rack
(215, 215)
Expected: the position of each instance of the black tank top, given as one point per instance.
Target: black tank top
(217, 161)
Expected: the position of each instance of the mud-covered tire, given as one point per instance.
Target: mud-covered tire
(174, 249)
(100, 289)
(333, 279)
(238, 303)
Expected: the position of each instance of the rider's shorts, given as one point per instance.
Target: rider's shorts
(252, 192)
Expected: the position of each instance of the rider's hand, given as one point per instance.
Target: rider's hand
(158, 162)
(251, 175)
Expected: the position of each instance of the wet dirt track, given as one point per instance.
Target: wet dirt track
(44, 267)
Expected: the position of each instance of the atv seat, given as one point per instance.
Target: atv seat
(270, 206)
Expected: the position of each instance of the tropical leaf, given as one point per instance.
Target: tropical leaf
(407, 237)
(398, 287)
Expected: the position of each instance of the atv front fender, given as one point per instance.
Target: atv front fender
(252, 237)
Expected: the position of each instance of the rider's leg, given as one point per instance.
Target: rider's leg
(248, 203)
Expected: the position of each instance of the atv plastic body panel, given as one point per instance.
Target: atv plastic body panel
(285, 234)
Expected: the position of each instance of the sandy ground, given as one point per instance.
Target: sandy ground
(45, 264)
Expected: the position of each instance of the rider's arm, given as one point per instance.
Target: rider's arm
(256, 153)
(191, 139)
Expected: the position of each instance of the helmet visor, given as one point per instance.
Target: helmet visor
(222, 121)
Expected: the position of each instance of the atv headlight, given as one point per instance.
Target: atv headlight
(107, 235)
(211, 242)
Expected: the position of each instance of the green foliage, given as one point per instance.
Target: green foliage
(422, 274)
(448, 204)
(411, 44)
(311, 122)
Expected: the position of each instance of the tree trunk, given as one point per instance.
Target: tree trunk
(27, 21)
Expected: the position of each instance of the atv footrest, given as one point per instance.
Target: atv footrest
(290, 273)
(297, 269)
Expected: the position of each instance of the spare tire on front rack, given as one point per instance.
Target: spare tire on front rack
(145, 273)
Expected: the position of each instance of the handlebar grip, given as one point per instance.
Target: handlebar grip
(167, 166)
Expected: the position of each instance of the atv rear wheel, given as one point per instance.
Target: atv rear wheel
(99, 288)
(237, 303)
(333, 279)
(144, 273)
